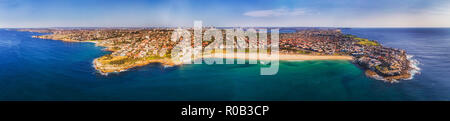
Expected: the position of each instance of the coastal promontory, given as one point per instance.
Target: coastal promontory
(132, 47)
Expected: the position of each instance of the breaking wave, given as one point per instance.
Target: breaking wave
(414, 64)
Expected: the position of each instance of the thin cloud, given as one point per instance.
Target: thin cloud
(441, 10)
(276, 12)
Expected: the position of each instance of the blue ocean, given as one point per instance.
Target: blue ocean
(34, 69)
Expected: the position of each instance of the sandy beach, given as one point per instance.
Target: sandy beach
(282, 57)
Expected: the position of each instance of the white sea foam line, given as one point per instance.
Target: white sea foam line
(414, 63)
(294, 60)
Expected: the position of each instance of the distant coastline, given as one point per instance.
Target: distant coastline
(64, 40)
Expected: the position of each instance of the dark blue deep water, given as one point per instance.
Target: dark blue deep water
(40, 69)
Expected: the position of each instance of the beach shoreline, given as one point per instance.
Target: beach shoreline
(282, 56)
(105, 69)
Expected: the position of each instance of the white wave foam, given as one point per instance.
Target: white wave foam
(167, 66)
(414, 64)
(378, 77)
(295, 60)
(106, 74)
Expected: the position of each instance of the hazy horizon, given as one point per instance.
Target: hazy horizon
(225, 13)
(216, 27)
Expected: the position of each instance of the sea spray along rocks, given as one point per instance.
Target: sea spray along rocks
(136, 47)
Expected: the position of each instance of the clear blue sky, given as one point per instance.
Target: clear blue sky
(144, 13)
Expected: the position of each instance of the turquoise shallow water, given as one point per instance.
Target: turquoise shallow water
(39, 69)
